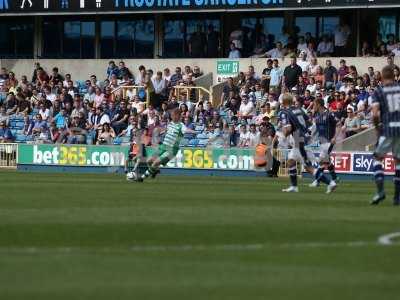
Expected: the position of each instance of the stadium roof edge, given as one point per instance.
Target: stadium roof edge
(372, 6)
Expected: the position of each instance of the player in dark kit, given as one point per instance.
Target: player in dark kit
(386, 117)
(325, 123)
(295, 122)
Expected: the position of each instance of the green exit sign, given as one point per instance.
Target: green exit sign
(227, 68)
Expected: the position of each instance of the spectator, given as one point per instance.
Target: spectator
(291, 74)
(197, 43)
(303, 62)
(4, 117)
(352, 124)
(213, 42)
(106, 135)
(325, 47)
(302, 45)
(5, 133)
(330, 75)
(234, 52)
(342, 34)
(277, 52)
(112, 70)
(276, 76)
(55, 76)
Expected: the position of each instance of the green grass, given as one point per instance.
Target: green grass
(69, 236)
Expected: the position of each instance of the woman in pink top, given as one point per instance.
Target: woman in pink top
(98, 98)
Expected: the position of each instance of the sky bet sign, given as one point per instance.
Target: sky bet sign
(19, 7)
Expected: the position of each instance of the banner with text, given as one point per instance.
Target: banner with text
(187, 158)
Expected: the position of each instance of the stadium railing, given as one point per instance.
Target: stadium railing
(8, 156)
(200, 93)
(139, 90)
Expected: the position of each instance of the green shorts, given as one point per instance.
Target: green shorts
(165, 153)
(386, 145)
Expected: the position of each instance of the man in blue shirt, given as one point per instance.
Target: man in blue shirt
(276, 76)
(61, 119)
(5, 133)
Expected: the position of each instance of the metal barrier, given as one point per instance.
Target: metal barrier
(200, 93)
(130, 90)
(8, 155)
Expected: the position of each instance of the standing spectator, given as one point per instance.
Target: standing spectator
(303, 62)
(213, 42)
(342, 33)
(112, 70)
(234, 53)
(160, 90)
(197, 43)
(266, 75)
(291, 74)
(56, 77)
(343, 70)
(330, 75)
(236, 37)
(276, 76)
(123, 70)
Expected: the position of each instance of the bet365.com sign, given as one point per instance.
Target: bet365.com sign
(115, 156)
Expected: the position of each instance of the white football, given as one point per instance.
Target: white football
(131, 176)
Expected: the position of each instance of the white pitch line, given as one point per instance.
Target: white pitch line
(387, 239)
(188, 248)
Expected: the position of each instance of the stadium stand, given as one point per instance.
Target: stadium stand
(55, 108)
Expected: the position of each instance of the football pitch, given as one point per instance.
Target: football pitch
(80, 236)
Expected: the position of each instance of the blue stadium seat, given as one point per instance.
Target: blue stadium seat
(193, 143)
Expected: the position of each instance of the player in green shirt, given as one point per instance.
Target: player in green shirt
(169, 147)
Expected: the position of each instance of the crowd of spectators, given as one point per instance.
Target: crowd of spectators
(51, 108)
(255, 43)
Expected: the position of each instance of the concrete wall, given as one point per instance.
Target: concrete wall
(82, 69)
(359, 142)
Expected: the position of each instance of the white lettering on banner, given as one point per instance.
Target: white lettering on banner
(95, 158)
(104, 158)
(364, 162)
(388, 163)
(47, 157)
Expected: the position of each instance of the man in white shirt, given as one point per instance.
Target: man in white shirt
(49, 95)
(302, 45)
(234, 53)
(325, 47)
(396, 51)
(246, 109)
(342, 33)
(303, 62)
(277, 52)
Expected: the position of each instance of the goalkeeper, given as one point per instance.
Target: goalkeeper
(169, 147)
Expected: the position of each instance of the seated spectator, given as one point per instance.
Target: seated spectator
(4, 117)
(106, 135)
(254, 136)
(247, 109)
(112, 70)
(301, 45)
(243, 136)
(352, 124)
(277, 52)
(234, 53)
(5, 133)
(76, 132)
(325, 47)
